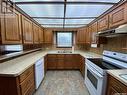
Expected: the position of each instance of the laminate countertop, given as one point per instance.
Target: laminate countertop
(117, 74)
(18, 65)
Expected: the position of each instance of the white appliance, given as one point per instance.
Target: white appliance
(95, 70)
(39, 72)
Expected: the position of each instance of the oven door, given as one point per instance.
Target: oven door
(93, 80)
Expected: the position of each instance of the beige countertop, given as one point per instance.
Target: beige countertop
(18, 65)
(116, 74)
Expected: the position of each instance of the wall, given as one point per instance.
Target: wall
(53, 46)
(118, 44)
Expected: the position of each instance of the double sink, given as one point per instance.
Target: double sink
(64, 51)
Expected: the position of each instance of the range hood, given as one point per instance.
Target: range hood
(121, 30)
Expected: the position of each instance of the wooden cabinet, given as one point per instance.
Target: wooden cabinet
(118, 16)
(94, 38)
(63, 61)
(103, 23)
(45, 63)
(60, 61)
(10, 32)
(36, 33)
(48, 37)
(82, 66)
(72, 61)
(93, 33)
(114, 86)
(51, 61)
(23, 84)
(41, 35)
(27, 29)
(88, 35)
(80, 38)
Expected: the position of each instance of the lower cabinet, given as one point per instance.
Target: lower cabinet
(63, 61)
(23, 84)
(115, 87)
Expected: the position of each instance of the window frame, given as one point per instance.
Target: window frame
(64, 32)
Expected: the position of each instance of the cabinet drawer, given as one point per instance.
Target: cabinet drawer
(30, 91)
(26, 84)
(25, 74)
(118, 86)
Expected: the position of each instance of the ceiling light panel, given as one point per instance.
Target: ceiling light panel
(41, 10)
(49, 21)
(113, 1)
(53, 26)
(78, 21)
(78, 10)
(73, 26)
(34, 0)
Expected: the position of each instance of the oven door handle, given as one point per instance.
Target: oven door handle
(95, 72)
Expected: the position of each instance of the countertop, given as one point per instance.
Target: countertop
(18, 65)
(116, 74)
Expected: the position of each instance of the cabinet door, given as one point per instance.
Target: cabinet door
(60, 61)
(11, 28)
(118, 16)
(93, 33)
(48, 37)
(41, 36)
(112, 91)
(81, 36)
(103, 23)
(88, 35)
(36, 33)
(51, 61)
(27, 31)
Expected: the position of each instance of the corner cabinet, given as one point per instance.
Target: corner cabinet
(118, 16)
(48, 37)
(94, 38)
(27, 31)
(23, 84)
(10, 27)
(103, 23)
(115, 87)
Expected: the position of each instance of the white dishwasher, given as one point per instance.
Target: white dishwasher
(39, 72)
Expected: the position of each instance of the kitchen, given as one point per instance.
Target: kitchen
(63, 47)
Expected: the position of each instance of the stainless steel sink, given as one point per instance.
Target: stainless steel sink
(64, 51)
(124, 76)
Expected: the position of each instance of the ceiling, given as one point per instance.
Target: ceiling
(64, 13)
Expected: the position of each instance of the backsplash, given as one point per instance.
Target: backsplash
(118, 44)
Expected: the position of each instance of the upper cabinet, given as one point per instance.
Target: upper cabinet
(93, 33)
(103, 23)
(41, 35)
(48, 36)
(80, 38)
(118, 16)
(27, 31)
(11, 28)
(88, 35)
(36, 33)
